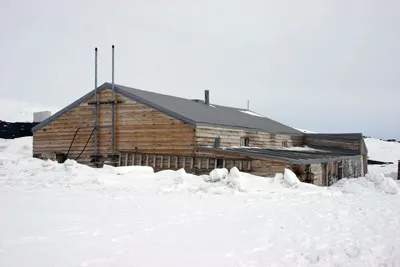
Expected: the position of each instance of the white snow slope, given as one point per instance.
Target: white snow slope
(71, 215)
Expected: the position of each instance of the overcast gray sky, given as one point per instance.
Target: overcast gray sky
(327, 66)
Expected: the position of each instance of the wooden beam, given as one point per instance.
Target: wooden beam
(154, 160)
(120, 159)
(191, 163)
(140, 159)
(176, 162)
(126, 159)
(133, 159)
(184, 162)
(169, 162)
(162, 161)
(208, 163)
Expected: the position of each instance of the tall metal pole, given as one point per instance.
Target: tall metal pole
(96, 108)
(113, 104)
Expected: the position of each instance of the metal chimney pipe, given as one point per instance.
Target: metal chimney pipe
(113, 105)
(207, 97)
(96, 108)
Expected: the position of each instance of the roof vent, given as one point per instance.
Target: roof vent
(206, 97)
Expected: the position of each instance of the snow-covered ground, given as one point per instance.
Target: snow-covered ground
(383, 150)
(71, 215)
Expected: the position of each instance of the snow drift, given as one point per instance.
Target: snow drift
(123, 216)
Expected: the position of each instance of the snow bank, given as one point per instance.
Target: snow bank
(17, 166)
(372, 183)
(18, 147)
(130, 170)
(290, 178)
(383, 150)
(126, 215)
(216, 175)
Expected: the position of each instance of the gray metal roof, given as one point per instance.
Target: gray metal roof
(291, 156)
(188, 111)
(196, 112)
(335, 136)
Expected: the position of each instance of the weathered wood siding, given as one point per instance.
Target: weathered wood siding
(266, 167)
(311, 140)
(199, 165)
(137, 128)
(326, 174)
(319, 174)
(205, 136)
(353, 168)
(57, 136)
(146, 130)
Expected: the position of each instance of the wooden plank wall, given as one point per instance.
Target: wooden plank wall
(144, 129)
(205, 136)
(138, 128)
(174, 162)
(332, 142)
(267, 168)
(57, 136)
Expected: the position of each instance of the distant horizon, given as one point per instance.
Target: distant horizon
(40, 107)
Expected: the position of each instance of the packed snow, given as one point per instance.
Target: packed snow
(252, 113)
(72, 215)
(382, 150)
(304, 131)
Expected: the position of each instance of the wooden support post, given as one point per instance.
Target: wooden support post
(398, 171)
(191, 163)
(140, 159)
(120, 159)
(133, 159)
(176, 162)
(126, 159)
(249, 162)
(147, 159)
(162, 161)
(184, 162)
(169, 162)
(215, 163)
(208, 163)
(223, 163)
(154, 160)
(241, 164)
(199, 163)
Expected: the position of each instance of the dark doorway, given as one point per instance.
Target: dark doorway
(220, 163)
(340, 170)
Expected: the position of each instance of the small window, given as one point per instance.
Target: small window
(244, 141)
(217, 142)
(284, 144)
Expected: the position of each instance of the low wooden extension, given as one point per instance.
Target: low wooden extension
(189, 163)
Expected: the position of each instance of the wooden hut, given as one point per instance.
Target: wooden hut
(128, 126)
